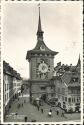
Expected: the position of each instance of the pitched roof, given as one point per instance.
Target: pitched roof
(66, 77)
(7, 69)
(74, 84)
(38, 50)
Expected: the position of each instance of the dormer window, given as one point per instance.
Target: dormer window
(75, 79)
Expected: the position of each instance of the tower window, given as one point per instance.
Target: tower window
(75, 79)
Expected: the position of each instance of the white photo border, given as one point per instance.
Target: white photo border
(82, 63)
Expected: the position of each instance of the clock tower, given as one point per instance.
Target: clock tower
(41, 65)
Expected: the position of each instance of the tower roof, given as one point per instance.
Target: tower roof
(40, 47)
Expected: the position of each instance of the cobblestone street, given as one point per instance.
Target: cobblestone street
(33, 114)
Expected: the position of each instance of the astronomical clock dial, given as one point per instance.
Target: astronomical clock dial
(43, 67)
(42, 70)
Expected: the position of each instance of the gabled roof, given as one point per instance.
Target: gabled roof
(67, 78)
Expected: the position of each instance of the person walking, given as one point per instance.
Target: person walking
(62, 115)
(18, 106)
(49, 114)
(42, 110)
(38, 107)
(50, 110)
(57, 112)
(22, 104)
(16, 114)
(24, 101)
(25, 118)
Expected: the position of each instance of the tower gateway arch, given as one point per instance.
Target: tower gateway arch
(41, 66)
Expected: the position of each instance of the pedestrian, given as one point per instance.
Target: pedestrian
(25, 118)
(42, 110)
(16, 114)
(50, 110)
(38, 107)
(62, 115)
(57, 112)
(19, 105)
(9, 106)
(22, 104)
(49, 114)
(24, 101)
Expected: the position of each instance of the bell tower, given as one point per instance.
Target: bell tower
(41, 65)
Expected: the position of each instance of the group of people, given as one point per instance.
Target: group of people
(21, 104)
(60, 112)
(57, 112)
(40, 108)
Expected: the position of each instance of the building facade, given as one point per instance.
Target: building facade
(10, 78)
(41, 64)
(68, 86)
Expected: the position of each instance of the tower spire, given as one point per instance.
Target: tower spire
(39, 23)
(79, 61)
(39, 31)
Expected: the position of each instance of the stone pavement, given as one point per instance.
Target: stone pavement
(32, 113)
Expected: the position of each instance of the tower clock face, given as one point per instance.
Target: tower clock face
(42, 70)
(43, 67)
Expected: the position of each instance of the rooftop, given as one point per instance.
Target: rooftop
(7, 69)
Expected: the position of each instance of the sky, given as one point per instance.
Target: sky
(62, 26)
